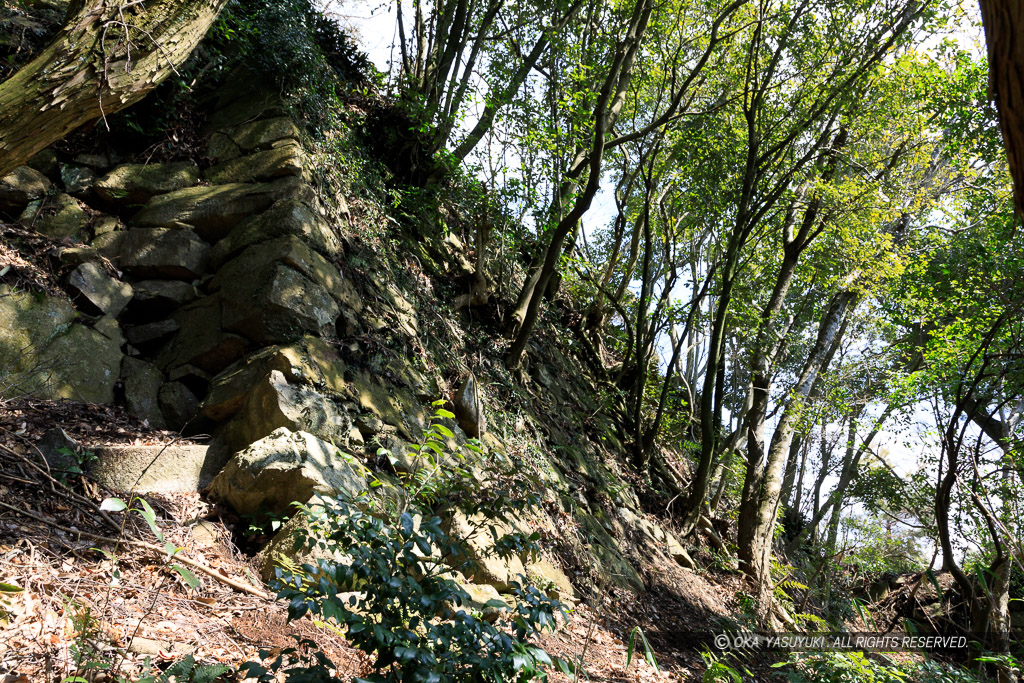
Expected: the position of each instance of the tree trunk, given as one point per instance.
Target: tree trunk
(756, 530)
(107, 57)
(1004, 23)
(606, 111)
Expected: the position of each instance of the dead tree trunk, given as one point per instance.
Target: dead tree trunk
(107, 57)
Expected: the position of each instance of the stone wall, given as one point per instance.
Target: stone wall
(215, 300)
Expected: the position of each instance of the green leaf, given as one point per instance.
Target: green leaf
(113, 505)
(441, 412)
(191, 579)
(149, 515)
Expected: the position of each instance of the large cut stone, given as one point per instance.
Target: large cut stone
(142, 383)
(164, 292)
(200, 341)
(138, 183)
(276, 291)
(213, 211)
(174, 468)
(21, 186)
(251, 135)
(78, 180)
(44, 353)
(283, 468)
(308, 361)
(85, 365)
(392, 404)
(157, 252)
(476, 542)
(289, 250)
(61, 217)
(178, 405)
(27, 324)
(286, 217)
(273, 402)
(285, 158)
(141, 335)
(97, 291)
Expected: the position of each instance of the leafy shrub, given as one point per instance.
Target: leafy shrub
(388, 586)
(855, 667)
(294, 46)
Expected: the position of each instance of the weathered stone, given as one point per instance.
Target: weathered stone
(164, 292)
(289, 250)
(284, 159)
(251, 135)
(109, 328)
(86, 365)
(174, 468)
(76, 256)
(78, 180)
(484, 600)
(140, 335)
(142, 382)
(59, 450)
(188, 374)
(201, 341)
(46, 163)
(308, 361)
(60, 218)
(213, 211)
(283, 468)
(286, 217)
(273, 403)
(158, 252)
(607, 556)
(424, 387)
(393, 405)
(475, 542)
(43, 353)
(132, 184)
(268, 298)
(108, 244)
(21, 186)
(281, 551)
(548, 577)
(106, 224)
(469, 407)
(178, 405)
(97, 291)
(368, 425)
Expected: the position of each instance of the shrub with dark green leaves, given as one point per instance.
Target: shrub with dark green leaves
(395, 598)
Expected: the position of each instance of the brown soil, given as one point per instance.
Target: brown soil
(140, 608)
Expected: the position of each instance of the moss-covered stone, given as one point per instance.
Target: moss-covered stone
(285, 158)
(132, 184)
(307, 361)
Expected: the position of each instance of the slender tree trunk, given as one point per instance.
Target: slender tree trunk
(606, 111)
(756, 530)
(107, 57)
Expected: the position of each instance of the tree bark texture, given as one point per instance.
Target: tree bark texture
(108, 56)
(1004, 25)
